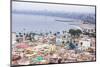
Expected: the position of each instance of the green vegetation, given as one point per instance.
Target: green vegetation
(75, 33)
(93, 34)
(90, 34)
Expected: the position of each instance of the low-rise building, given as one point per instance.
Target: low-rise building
(13, 37)
(90, 28)
(84, 44)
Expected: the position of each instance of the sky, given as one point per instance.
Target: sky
(27, 6)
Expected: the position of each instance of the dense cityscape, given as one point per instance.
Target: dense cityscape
(50, 48)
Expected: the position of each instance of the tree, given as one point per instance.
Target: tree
(75, 32)
(72, 32)
(78, 32)
(50, 32)
(71, 46)
(24, 34)
(20, 34)
(93, 34)
(63, 31)
(17, 40)
(33, 34)
(46, 33)
(16, 35)
(41, 34)
(58, 32)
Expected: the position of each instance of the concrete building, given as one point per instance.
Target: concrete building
(90, 28)
(13, 37)
(84, 43)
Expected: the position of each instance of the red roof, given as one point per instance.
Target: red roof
(22, 45)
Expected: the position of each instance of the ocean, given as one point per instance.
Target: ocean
(42, 24)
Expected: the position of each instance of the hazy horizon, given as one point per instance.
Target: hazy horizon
(26, 6)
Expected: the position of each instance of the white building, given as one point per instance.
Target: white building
(84, 44)
(13, 37)
(90, 28)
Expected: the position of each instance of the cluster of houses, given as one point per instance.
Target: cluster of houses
(58, 47)
(84, 42)
(87, 27)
